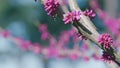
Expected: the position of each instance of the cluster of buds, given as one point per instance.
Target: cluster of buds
(107, 57)
(105, 40)
(89, 13)
(51, 6)
(75, 16)
(5, 33)
(44, 32)
(71, 16)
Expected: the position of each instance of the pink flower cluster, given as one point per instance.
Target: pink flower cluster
(51, 6)
(89, 13)
(113, 25)
(44, 32)
(94, 4)
(5, 34)
(106, 40)
(50, 52)
(71, 16)
(56, 46)
(28, 45)
(74, 56)
(107, 57)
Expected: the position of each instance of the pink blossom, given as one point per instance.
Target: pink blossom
(89, 13)
(94, 4)
(72, 32)
(86, 58)
(107, 57)
(51, 6)
(64, 2)
(51, 52)
(64, 37)
(106, 40)
(97, 57)
(77, 37)
(42, 27)
(103, 15)
(54, 52)
(45, 36)
(85, 46)
(52, 41)
(6, 33)
(61, 43)
(74, 56)
(113, 25)
(68, 18)
(23, 44)
(81, 36)
(76, 15)
(36, 48)
(71, 16)
(116, 43)
(26, 44)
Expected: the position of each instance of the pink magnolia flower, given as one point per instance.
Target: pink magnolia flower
(89, 13)
(71, 16)
(51, 6)
(106, 40)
